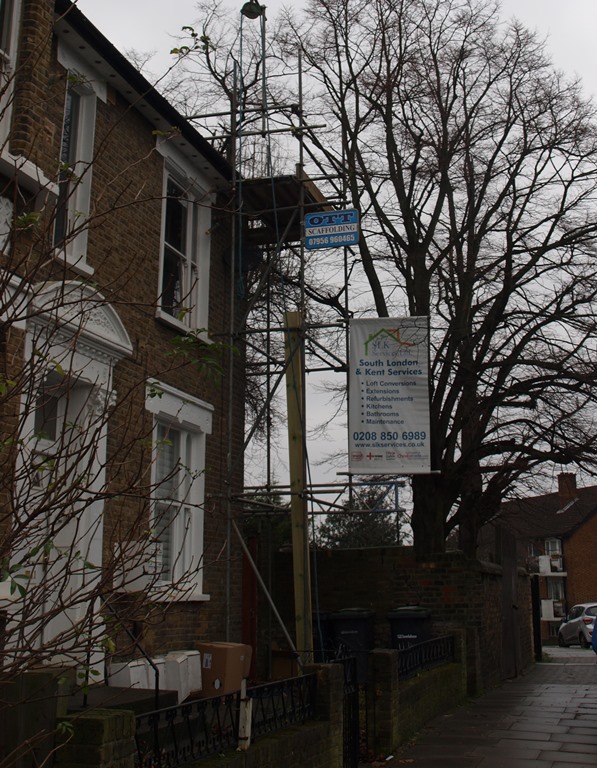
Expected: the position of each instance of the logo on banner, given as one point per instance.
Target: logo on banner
(384, 341)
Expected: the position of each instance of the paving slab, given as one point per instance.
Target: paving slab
(544, 719)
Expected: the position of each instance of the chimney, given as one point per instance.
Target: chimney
(566, 487)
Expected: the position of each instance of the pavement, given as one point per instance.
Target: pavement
(544, 719)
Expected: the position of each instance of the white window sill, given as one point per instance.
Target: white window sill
(167, 593)
(174, 322)
(27, 174)
(160, 593)
(171, 320)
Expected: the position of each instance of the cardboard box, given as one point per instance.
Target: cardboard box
(223, 667)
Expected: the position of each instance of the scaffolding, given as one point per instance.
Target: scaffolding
(286, 345)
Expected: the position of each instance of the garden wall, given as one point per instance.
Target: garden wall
(491, 606)
(104, 738)
(397, 710)
(393, 712)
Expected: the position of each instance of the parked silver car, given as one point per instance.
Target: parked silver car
(577, 627)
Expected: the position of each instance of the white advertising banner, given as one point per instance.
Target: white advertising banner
(388, 417)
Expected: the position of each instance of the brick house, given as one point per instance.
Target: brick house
(556, 536)
(121, 449)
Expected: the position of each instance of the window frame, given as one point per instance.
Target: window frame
(555, 590)
(9, 10)
(174, 497)
(73, 200)
(71, 129)
(553, 546)
(10, 14)
(191, 418)
(533, 550)
(74, 177)
(20, 167)
(179, 244)
(195, 269)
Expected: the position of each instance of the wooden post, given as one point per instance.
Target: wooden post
(298, 504)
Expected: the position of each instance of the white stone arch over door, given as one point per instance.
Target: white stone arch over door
(74, 338)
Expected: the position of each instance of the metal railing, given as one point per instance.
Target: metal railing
(283, 703)
(177, 736)
(425, 655)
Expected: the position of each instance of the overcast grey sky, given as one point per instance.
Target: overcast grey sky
(570, 25)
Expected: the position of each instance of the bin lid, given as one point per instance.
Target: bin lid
(353, 613)
(410, 612)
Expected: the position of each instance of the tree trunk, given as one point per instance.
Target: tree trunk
(428, 518)
(469, 523)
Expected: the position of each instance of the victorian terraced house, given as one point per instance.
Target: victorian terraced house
(119, 447)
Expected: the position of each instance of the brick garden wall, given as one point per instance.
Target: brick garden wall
(459, 593)
(100, 738)
(396, 710)
(105, 738)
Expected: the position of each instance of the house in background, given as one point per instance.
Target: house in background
(120, 450)
(556, 535)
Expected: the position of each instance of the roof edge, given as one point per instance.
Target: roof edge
(68, 11)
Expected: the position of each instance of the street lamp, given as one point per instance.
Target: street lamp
(252, 10)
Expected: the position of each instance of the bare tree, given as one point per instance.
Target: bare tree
(472, 163)
(234, 64)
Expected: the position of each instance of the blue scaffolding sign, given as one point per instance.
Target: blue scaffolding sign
(331, 229)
